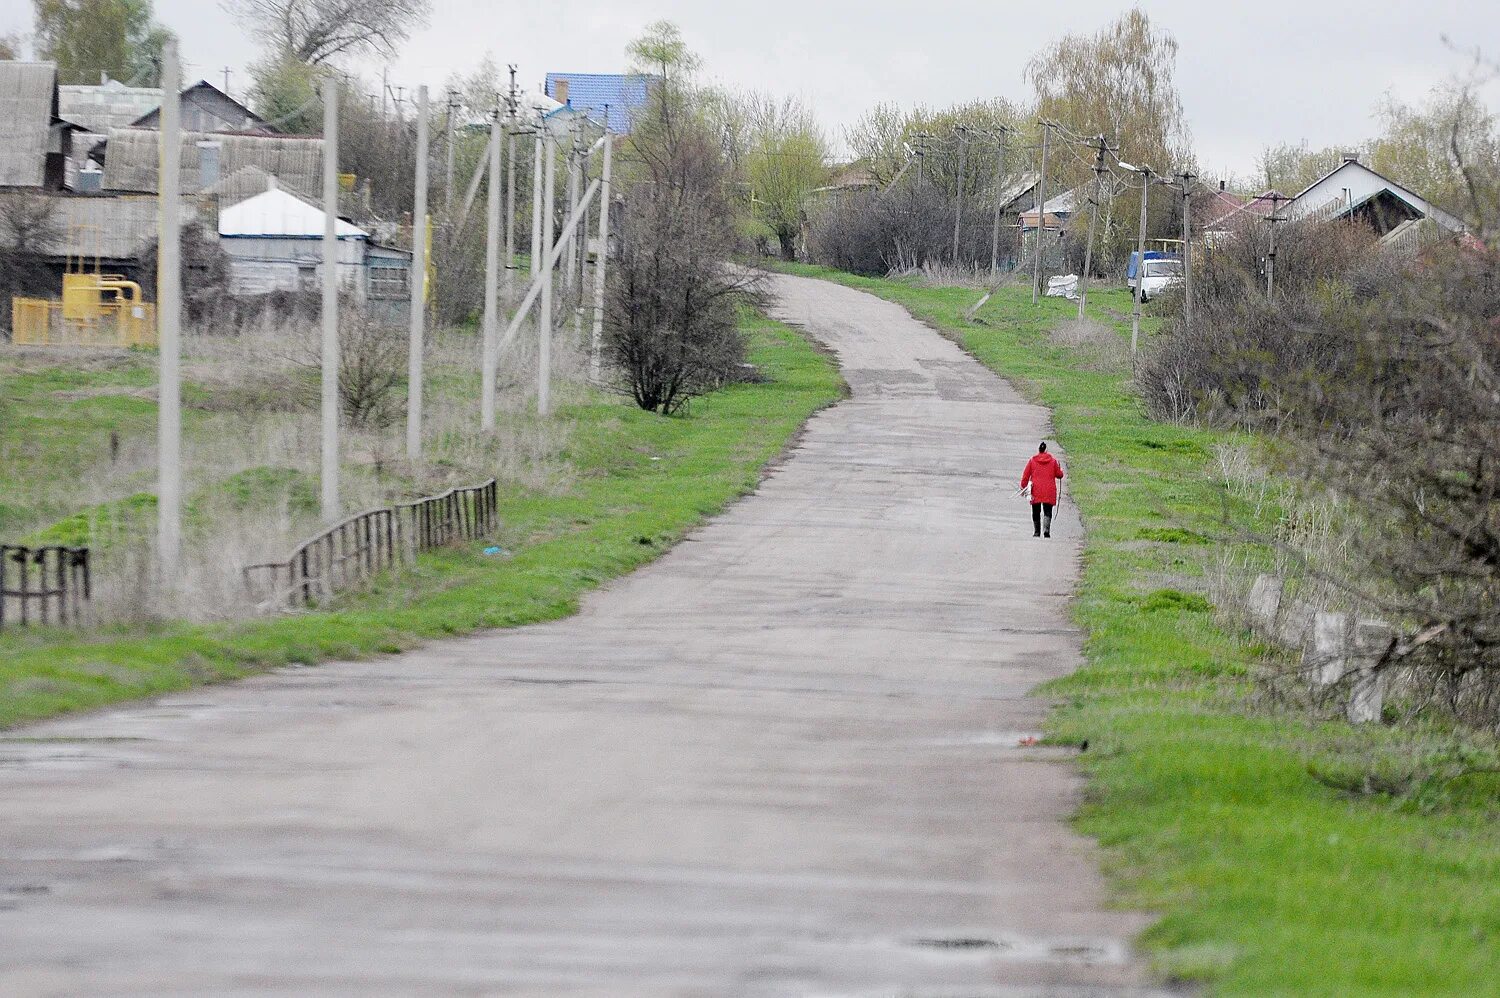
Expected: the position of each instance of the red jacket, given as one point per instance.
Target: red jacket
(1042, 471)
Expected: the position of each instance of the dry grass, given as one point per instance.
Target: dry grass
(1098, 345)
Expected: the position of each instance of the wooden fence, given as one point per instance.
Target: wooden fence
(354, 549)
(43, 585)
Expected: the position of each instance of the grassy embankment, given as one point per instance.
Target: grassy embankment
(638, 483)
(1286, 855)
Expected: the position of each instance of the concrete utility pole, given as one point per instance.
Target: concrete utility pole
(536, 202)
(575, 159)
(1088, 251)
(1186, 179)
(958, 212)
(330, 491)
(1041, 216)
(419, 292)
(510, 192)
(490, 358)
(448, 166)
(921, 138)
(598, 333)
(999, 176)
(544, 339)
(169, 328)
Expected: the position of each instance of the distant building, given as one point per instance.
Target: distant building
(130, 159)
(206, 108)
(613, 99)
(274, 242)
(1353, 190)
(36, 142)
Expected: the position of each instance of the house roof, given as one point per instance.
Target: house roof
(130, 160)
(1236, 209)
(109, 105)
(277, 213)
(1405, 194)
(28, 107)
(248, 181)
(111, 228)
(1014, 192)
(619, 96)
(200, 93)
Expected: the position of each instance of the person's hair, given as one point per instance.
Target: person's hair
(1043, 448)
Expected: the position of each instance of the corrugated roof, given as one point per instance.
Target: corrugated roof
(114, 228)
(248, 181)
(623, 94)
(28, 105)
(130, 161)
(277, 213)
(109, 105)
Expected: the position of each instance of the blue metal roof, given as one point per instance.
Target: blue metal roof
(623, 94)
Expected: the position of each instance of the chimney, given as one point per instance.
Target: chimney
(1221, 186)
(560, 90)
(1351, 157)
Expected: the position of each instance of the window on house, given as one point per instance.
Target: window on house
(388, 282)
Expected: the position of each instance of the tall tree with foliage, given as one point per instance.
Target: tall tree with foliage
(785, 163)
(87, 38)
(314, 32)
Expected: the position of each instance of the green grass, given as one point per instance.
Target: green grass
(1286, 856)
(642, 482)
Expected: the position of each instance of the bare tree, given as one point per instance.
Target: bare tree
(314, 32)
(29, 230)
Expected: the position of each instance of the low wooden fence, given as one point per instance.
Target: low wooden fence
(43, 585)
(354, 549)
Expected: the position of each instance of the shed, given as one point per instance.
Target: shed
(206, 108)
(110, 104)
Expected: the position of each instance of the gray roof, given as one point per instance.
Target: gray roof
(112, 228)
(109, 105)
(28, 105)
(248, 181)
(130, 161)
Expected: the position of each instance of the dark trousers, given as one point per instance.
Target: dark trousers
(1037, 511)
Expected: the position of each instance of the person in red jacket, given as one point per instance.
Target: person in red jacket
(1042, 473)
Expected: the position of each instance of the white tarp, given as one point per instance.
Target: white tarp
(1065, 286)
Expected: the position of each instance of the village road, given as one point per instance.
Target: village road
(785, 759)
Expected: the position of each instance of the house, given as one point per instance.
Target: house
(206, 108)
(97, 109)
(36, 142)
(612, 98)
(1353, 190)
(131, 159)
(274, 241)
(1228, 214)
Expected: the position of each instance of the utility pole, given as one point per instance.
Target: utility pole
(330, 399)
(1088, 251)
(1272, 218)
(489, 358)
(448, 166)
(999, 175)
(1041, 216)
(570, 264)
(958, 211)
(419, 292)
(922, 138)
(1187, 179)
(225, 71)
(510, 192)
(544, 344)
(1140, 264)
(536, 201)
(603, 259)
(168, 329)
(385, 88)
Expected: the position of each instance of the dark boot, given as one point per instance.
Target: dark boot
(1047, 526)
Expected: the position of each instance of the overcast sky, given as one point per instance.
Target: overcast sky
(1250, 74)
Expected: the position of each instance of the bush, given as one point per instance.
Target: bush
(902, 228)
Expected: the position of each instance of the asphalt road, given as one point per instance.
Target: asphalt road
(784, 759)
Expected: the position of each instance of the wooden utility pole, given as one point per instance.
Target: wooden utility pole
(1041, 217)
(958, 210)
(999, 176)
(168, 328)
(537, 252)
(1186, 179)
(1088, 251)
(1140, 265)
(448, 166)
(489, 358)
(921, 138)
(419, 289)
(330, 400)
(1272, 218)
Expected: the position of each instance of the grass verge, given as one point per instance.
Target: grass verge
(641, 482)
(1286, 855)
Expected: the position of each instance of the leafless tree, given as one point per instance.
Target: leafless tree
(314, 32)
(29, 231)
